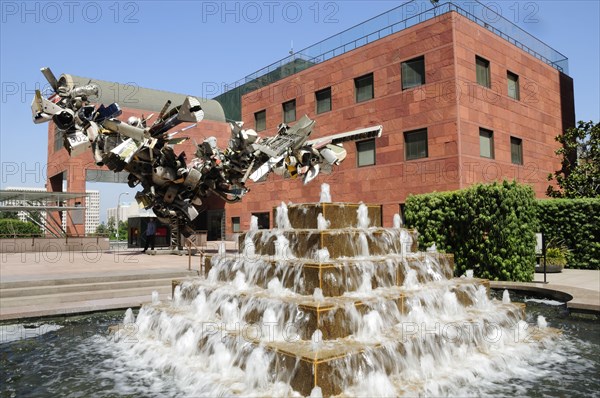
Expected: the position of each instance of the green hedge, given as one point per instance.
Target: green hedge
(574, 224)
(11, 228)
(489, 228)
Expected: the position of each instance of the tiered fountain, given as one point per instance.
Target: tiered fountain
(331, 303)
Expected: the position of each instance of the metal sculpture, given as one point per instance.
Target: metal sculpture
(171, 186)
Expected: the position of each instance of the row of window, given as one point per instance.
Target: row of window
(482, 68)
(486, 146)
(363, 88)
(416, 147)
(413, 75)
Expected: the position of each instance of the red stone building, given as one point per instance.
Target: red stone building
(460, 102)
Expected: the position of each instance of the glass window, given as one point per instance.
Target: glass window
(263, 220)
(364, 88)
(289, 111)
(516, 150)
(260, 120)
(366, 153)
(415, 144)
(513, 85)
(486, 143)
(402, 213)
(413, 73)
(483, 71)
(235, 224)
(323, 100)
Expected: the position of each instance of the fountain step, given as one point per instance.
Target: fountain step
(334, 317)
(339, 215)
(21, 292)
(334, 277)
(84, 294)
(332, 365)
(351, 242)
(326, 363)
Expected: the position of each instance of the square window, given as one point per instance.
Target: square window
(263, 220)
(415, 144)
(363, 87)
(260, 120)
(513, 85)
(365, 153)
(483, 71)
(323, 100)
(235, 224)
(289, 111)
(516, 150)
(402, 213)
(486, 143)
(413, 73)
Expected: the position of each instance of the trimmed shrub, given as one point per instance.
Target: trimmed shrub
(574, 224)
(490, 228)
(11, 228)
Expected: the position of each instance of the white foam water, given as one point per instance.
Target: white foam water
(397, 221)
(129, 317)
(322, 255)
(282, 219)
(325, 193)
(316, 340)
(155, 297)
(505, 297)
(253, 223)
(318, 295)
(363, 216)
(363, 244)
(322, 223)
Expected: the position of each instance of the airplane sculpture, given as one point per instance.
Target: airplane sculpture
(171, 186)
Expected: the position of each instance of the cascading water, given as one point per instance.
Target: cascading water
(325, 193)
(253, 223)
(386, 324)
(363, 216)
(129, 317)
(282, 220)
(397, 222)
(505, 297)
(322, 223)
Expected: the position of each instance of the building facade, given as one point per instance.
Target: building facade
(460, 101)
(92, 211)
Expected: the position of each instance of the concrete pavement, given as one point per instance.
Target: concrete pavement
(579, 288)
(60, 283)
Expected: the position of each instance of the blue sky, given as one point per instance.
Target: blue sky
(195, 47)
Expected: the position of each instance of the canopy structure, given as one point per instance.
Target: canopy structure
(45, 204)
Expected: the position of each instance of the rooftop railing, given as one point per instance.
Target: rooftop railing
(395, 20)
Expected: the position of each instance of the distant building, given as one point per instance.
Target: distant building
(92, 211)
(126, 211)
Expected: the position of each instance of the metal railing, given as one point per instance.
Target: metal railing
(395, 20)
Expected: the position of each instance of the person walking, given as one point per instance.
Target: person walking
(150, 235)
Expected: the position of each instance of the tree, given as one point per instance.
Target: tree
(11, 228)
(579, 176)
(102, 229)
(8, 215)
(123, 230)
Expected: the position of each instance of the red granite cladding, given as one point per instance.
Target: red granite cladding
(451, 105)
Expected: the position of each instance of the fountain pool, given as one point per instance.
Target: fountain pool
(349, 310)
(76, 356)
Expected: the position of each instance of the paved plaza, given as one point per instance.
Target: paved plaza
(60, 283)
